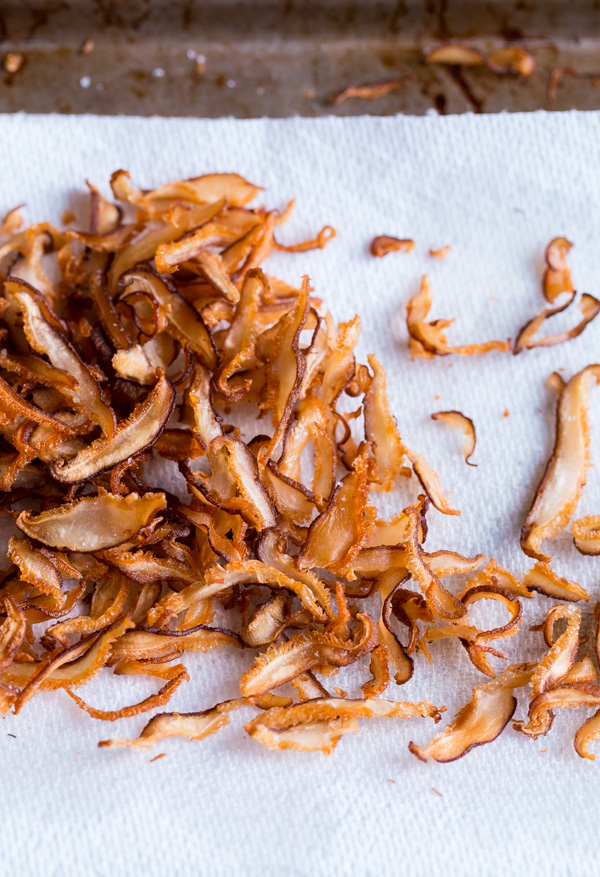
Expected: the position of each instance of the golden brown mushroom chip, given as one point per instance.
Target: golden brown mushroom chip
(92, 523)
(543, 579)
(12, 631)
(565, 696)
(336, 536)
(510, 60)
(192, 726)
(384, 244)
(47, 339)
(67, 667)
(318, 724)
(185, 324)
(554, 667)
(589, 307)
(132, 436)
(559, 489)
(481, 720)
(586, 534)
(155, 643)
(428, 339)
(305, 651)
(381, 430)
(458, 420)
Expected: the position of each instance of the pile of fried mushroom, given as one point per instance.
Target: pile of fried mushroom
(137, 348)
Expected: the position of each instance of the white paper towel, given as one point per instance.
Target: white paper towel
(497, 189)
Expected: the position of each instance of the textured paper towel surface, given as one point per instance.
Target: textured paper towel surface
(497, 188)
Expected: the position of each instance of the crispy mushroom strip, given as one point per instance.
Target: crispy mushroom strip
(305, 651)
(543, 579)
(184, 322)
(312, 593)
(381, 430)
(371, 91)
(336, 536)
(12, 631)
(192, 726)
(557, 276)
(317, 725)
(554, 667)
(586, 534)
(133, 435)
(47, 339)
(557, 283)
(67, 667)
(526, 340)
(428, 339)
(458, 420)
(92, 523)
(408, 608)
(149, 703)
(510, 60)
(560, 488)
(439, 600)
(384, 244)
(481, 720)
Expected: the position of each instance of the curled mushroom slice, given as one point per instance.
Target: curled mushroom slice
(92, 523)
(149, 703)
(68, 667)
(234, 483)
(384, 244)
(36, 568)
(284, 367)
(439, 600)
(312, 593)
(428, 339)
(267, 621)
(588, 733)
(185, 323)
(318, 724)
(380, 673)
(381, 430)
(368, 92)
(47, 339)
(192, 726)
(557, 276)
(481, 720)
(430, 482)
(197, 190)
(566, 696)
(336, 536)
(586, 534)
(458, 420)
(543, 579)
(526, 340)
(12, 631)
(478, 648)
(145, 567)
(149, 643)
(553, 668)
(510, 60)
(107, 604)
(408, 608)
(565, 475)
(14, 410)
(305, 651)
(238, 349)
(133, 435)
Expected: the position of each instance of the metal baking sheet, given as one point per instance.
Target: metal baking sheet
(249, 58)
